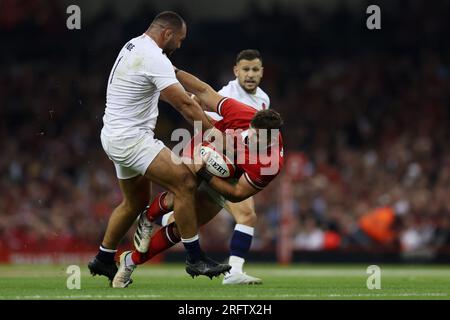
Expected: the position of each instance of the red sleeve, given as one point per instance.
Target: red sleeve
(254, 173)
(236, 115)
(256, 180)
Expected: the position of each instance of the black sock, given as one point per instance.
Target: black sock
(106, 255)
(193, 250)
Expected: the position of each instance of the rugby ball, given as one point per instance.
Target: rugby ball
(217, 163)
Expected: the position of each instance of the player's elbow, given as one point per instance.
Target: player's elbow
(236, 199)
(185, 103)
(237, 196)
(204, 92)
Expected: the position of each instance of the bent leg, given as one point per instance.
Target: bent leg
(135, 196)
(180, 181)
(136, 193)
(169, 235)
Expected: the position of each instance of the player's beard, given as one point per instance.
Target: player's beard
(251, 90)
(168, 52)
(169, 49)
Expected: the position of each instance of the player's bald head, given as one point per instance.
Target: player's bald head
(168, 29)
(168, 19)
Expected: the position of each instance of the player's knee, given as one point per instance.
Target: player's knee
(187, 183)
(168, 200)
(247, 217)
(133, 207)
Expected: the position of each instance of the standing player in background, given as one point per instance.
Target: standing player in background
(245, 88)
(141, 75)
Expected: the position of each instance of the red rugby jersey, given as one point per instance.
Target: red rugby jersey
(258, 169)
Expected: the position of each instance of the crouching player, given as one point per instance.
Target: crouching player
(259, 158)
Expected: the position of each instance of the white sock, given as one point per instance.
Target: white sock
(165, 219)
(189, 240)
(129, 260)
(236, 264)
(108, 250)
(245, 229)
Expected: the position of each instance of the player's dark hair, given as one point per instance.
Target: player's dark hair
(248, 54)
(169, 19)
(267, 119)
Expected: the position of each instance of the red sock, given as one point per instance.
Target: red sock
(157, 207)
(161, 240)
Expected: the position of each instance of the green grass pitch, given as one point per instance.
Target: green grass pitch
(170, 282)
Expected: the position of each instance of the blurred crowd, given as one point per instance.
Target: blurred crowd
(367, 110)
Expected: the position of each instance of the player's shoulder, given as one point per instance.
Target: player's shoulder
(236, 105)
(263, 95)
(147, 47)
(227, 89)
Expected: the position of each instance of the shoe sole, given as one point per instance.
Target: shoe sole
(250, 283)
(211, 273)
(126, 285)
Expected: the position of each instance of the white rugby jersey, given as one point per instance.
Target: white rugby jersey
(140, 72)
(260, 100)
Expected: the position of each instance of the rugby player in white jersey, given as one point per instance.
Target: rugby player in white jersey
(140, 76)
(245, 88)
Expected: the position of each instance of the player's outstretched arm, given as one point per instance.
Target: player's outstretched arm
(232, 192)
(203, 91)
(189, 108)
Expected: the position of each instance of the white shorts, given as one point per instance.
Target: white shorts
(131, 155)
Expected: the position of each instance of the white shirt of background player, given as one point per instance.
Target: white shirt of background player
(259, 100)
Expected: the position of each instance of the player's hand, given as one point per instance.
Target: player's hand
(199, 161)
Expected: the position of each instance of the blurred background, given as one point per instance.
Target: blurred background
(367, 175)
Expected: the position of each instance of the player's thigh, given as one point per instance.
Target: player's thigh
(243, 209)
(136, 192)
(207, 208)
(168, 171)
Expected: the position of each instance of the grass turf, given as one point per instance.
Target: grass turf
(170, 282)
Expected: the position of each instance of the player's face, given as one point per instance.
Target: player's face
(253, 139)
(258, 140)
(174, 40)
(249, 74)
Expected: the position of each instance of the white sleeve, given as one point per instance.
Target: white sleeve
(225, 91)
(214, 115)
(160, 72)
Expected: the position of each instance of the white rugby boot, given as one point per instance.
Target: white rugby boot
(143, 233)
(122, 279)
(240, 278)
